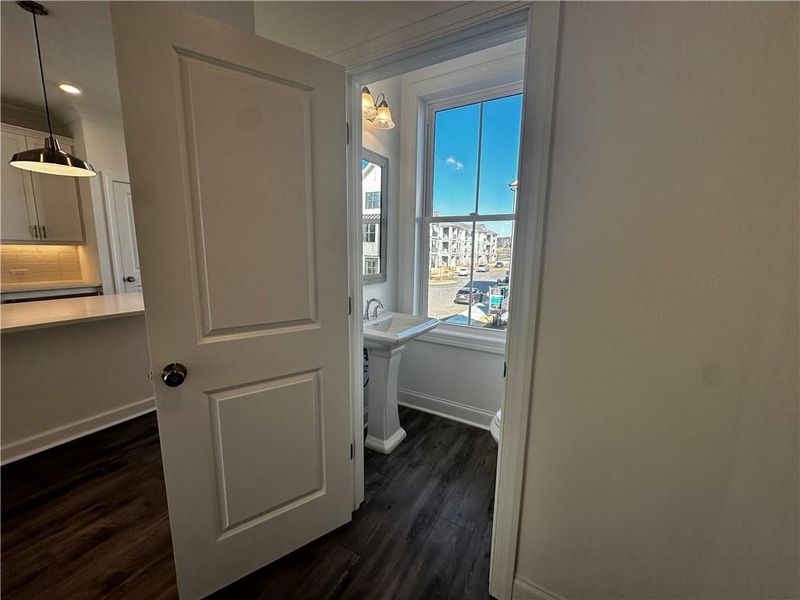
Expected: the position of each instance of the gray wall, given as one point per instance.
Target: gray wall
(66, 381)
(663, 452)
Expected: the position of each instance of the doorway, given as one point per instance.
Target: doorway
(122, 235)
(496, 76)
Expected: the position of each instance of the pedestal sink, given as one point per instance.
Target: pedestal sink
(384, 338)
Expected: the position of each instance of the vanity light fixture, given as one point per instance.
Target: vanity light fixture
(51, 159)
(377, 113)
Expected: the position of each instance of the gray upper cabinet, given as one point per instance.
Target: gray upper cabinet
(36, 207)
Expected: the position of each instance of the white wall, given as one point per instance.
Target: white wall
(460, 383)
(237, 13)
(100, 139)
(62, 382)
(386, 142)
(337, 26)
(663, 452)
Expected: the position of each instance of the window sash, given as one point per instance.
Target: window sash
(427, 213)
(372, 200)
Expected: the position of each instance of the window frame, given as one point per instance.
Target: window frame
(369, 229)
(371, 258)
(460, 333)
(366, 200)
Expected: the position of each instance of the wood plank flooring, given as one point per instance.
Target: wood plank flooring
(89, 520)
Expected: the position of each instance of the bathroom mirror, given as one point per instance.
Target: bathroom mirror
(374, 192)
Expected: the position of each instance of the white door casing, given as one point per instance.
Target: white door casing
(236, 151)
(122, 227)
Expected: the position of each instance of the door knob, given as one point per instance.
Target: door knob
(173, 374)
(130, 279)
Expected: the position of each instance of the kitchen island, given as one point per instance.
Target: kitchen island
(70, 367)
(23, 316)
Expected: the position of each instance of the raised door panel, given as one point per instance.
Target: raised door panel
(254, 235)
(18, 212)
(246, 458)
(58, 203)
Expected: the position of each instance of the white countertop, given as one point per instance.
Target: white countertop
(21, 316)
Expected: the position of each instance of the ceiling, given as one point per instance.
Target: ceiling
(77, 46)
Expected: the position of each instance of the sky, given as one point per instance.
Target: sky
(457, 137)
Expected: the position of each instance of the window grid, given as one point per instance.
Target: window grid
(433, 239)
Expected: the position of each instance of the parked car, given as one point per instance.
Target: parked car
(499, 264)
(483, 268)
(463, 296)
(462, 271)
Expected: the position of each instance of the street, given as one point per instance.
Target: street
(441, 295)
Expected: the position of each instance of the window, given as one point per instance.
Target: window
(470, 210)
(371, 265)
(372, 200)
(369, 233)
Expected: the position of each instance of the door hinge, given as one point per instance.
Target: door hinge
(349, 305)
(351, 451)
(348, 133)
(505, 369)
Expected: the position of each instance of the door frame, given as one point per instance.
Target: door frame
(540, 23)
(107, 181)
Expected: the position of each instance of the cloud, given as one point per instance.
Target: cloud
(456, 164)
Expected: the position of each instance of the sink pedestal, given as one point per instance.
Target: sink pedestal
(384, 432)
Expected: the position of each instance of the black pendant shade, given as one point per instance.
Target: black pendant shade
(51, 159)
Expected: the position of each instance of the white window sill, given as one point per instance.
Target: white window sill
(482, 340)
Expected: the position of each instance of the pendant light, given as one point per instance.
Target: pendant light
(51, 159)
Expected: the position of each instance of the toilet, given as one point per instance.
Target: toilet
(494, 426)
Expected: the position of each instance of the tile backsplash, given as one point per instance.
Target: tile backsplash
(36, 264)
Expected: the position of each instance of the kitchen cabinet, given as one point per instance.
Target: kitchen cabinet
(17, 205)
(36, 207)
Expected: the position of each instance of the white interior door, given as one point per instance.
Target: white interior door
(128, 273)
(236, 151)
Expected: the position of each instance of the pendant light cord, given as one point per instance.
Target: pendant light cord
(41, 73)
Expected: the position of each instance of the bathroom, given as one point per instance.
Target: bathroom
(455, 126)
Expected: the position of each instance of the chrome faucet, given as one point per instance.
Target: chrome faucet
(379, 304)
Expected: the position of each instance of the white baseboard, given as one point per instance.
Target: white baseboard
(448, 409)
(54, 437)
(527, 590)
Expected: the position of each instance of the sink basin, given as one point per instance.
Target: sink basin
(394, 329)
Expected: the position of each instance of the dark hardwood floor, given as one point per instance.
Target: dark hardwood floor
(89, 520)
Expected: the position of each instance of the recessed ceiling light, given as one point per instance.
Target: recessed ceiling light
(70, 88)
